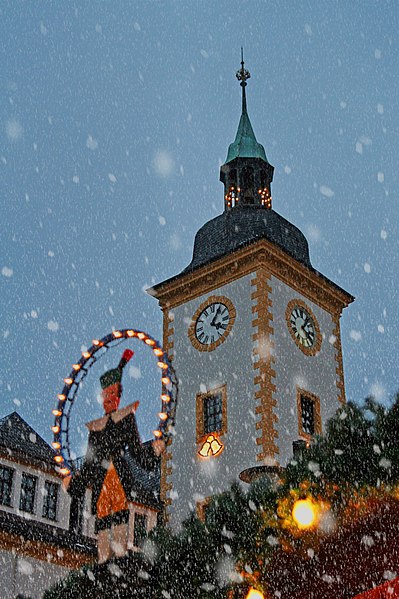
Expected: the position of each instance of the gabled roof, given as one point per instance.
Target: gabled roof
(17, 437)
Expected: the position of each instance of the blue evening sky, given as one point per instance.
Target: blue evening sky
(115, 117)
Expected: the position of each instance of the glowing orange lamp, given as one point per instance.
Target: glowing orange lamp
(305, 513)
(254, 594)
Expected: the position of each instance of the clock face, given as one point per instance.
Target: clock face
(303, 327)
(212, 323)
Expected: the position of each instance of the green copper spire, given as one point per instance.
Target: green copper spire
(245, 144)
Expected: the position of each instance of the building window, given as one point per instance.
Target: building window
(212, 406)
(76, 515)
(6, 479)
(50, 500)
(211, 413)
(202, 508)
(309, 419)
(140, 529)
(28, 492)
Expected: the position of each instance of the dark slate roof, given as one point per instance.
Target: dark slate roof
(17, 437)
(244, 225)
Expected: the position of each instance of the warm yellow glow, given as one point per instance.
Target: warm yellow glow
(58, 458)
(65, 471)
(211, 447)
(96, 342)
(117, 334)
(57, 412)
(162, 365)
(55, 429)
(61, 396)
(157, 351)
(157, 434)
(305, 513)
(68, 381)
(150, 341)
(162, 415)
(76, 366)
(86, 354)
(130, 333)
(165, 380)
(141, 335)
(56, 445)
(165, 398)
(254, 594)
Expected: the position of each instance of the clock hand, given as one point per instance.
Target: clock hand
(213, 323)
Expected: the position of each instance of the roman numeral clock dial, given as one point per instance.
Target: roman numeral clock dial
(303, 327)
(211, 323)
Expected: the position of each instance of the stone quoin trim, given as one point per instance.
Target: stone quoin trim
(315, 348)
(166, 456)
(191, 329)
(317, 415)
(201, 435)
(244, 261)
(263, 365)
(338, 358)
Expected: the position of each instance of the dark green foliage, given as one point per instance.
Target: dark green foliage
(241, 529)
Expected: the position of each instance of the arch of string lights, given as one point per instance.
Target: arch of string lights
(80, 369)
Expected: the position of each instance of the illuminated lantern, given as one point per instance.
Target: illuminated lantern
(305, 513)
(254, 594)
(211, 447)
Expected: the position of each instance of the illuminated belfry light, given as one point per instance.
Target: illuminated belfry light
(232, 197)
(266, 198)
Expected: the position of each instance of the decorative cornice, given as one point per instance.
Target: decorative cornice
(263, 366)
(72, 558)
(261, 254)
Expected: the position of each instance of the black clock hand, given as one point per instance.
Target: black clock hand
(213, 323)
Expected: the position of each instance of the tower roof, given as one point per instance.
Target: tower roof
(245, 144)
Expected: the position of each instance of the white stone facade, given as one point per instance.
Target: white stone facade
(193, 479)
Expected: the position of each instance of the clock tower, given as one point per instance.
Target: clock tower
(253, 332)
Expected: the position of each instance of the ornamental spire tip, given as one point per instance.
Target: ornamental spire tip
(242, 75)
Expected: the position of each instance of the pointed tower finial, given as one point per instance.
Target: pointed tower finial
(246, 174)
(242, 76)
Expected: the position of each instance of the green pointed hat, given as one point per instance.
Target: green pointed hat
(113, 376)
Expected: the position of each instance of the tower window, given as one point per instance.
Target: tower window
(50, 500)
(140, 529)
(28, 493)
(309, 419)
(307, 414)
(6, 480)
(211, 413)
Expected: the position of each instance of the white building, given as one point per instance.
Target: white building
(41, 536)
